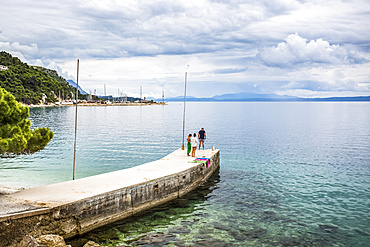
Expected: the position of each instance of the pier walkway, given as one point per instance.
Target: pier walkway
(77, 206)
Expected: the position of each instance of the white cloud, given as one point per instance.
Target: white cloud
(296, 50)
(153, 73)
(327, 82)
(15, 46)
(17, 50)
(125, 44)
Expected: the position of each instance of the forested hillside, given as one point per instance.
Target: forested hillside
(29, 83)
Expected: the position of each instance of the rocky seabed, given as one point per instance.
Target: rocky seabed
(49, 241)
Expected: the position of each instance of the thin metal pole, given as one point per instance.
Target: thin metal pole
(74, 153)
(183, 119)
(141, 93)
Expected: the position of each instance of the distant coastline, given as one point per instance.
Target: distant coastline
(248, 97)
(98, 104)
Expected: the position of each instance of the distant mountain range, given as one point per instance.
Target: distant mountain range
(261, 97)
(74, 84)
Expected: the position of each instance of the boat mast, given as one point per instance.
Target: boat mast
(183, 119)
(105, 93)
(141, 93)
(74, 153)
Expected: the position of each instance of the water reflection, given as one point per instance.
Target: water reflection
(230, 209)
(159, 225)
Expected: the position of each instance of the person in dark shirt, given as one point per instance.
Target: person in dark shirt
(201, 137)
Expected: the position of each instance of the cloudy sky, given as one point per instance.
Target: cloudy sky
(308, 48)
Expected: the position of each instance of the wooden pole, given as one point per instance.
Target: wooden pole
(183, 119)
(74, 153)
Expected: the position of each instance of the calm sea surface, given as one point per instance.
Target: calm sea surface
(292, 174)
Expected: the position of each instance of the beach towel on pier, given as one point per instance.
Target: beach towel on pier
(208, 160)
(204, 162)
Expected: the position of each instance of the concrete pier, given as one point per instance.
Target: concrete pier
(75, 207)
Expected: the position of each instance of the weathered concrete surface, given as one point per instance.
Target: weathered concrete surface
(75, 207)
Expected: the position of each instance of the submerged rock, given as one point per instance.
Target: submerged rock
(43, 241)
(29, 241)
(210, 242)
(329, 228)
(179, 230)
(110, 234)
(91, 244)
(157, 239)
(52, 241)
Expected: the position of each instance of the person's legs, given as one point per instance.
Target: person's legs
(200, 143)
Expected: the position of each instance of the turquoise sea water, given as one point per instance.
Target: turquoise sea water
(292, 174)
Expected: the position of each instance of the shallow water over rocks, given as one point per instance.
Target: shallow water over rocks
(292, 174)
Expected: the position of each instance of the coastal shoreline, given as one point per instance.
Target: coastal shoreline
(98, 104)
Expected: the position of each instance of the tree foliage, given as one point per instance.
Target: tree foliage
(16, 136)
(29, 83)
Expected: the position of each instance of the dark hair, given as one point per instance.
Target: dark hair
(189, 135)
(195, 135)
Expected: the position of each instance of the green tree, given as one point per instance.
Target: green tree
(29, 83)
(16, 136)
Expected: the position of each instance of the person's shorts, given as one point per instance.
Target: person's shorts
(201, 140)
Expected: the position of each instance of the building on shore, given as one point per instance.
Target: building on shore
(3, 68)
